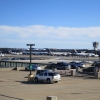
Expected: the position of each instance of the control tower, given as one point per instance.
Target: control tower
(95, 45)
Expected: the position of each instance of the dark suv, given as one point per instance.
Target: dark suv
(59, 65)
(88, 69)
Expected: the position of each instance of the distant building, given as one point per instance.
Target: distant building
(95, 45)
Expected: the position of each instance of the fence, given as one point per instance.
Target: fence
(10, 64)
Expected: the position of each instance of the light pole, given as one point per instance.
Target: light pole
(30, 56)
(88, 58)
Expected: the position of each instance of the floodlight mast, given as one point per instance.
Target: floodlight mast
(30, 56)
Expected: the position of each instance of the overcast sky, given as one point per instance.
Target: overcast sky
(71, 24)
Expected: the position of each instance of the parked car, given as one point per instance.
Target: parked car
(50, 65)
(47, 76)
(33, 67)
(77, 64)
(88, 69)
(81, 65)
(24, 58)
(15, 59)
(59, 65)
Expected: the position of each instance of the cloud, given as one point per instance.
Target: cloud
(45, 31)
(49, 34)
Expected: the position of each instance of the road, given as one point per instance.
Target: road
(42, 57)
(46, 59)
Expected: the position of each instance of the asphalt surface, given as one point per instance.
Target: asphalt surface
(14, 85)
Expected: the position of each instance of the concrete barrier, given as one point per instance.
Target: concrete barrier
(63, 72)
(73, 72)
(30, 78)
(70, 72)
(19, 68)
(97, 75)
(51, 98)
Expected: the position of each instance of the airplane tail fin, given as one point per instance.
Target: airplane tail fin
(75, 51)
(49, 51)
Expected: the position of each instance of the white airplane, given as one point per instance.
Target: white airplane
(14, 53)
(80, 54)
(85, 54)
(58, 53)
(93, 55)
(36, 51)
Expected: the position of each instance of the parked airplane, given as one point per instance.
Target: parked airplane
(16, 53)
(84, 54)
(80, 54)
(45, 52)
(92, 55)
(36, 52)
(58, 53)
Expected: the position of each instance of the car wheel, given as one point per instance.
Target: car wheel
(48, 81)
(36, 80)
(56, 81)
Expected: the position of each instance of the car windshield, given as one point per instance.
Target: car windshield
(64, 63)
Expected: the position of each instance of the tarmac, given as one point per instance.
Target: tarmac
(14, 85)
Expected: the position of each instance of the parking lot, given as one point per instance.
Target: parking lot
(14, 85)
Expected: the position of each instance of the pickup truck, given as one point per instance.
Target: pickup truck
(59, 65)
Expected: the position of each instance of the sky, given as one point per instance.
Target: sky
(62, 24)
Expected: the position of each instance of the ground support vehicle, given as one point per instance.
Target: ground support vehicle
(47, 76)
